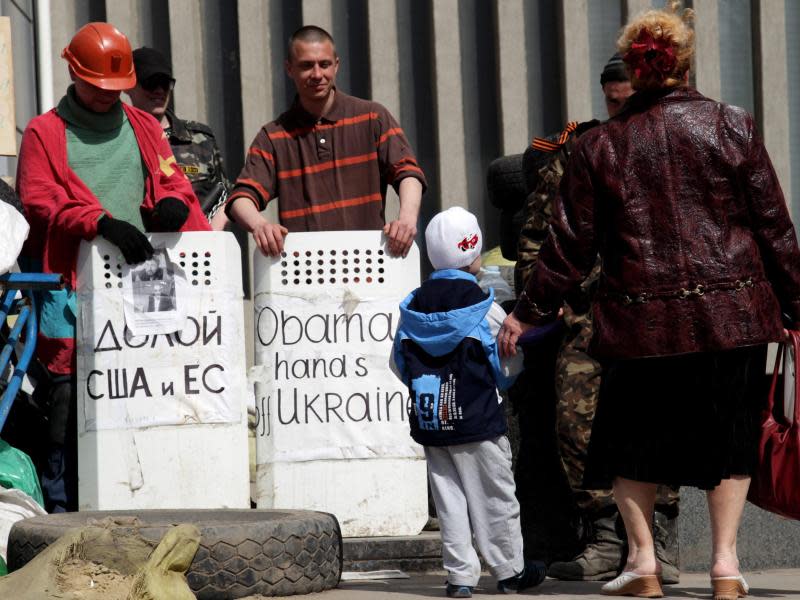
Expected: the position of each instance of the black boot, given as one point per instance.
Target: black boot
(665, 536)
(602, 558)
(531, 575)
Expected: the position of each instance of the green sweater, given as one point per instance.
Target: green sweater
(103, 151)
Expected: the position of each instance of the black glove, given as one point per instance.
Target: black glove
(169, 215)
(133, 244)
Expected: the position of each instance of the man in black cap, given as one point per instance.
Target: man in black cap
(193, 143)
(577, 375)
(616, 85)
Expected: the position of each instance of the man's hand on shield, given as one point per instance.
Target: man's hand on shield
(269, 237)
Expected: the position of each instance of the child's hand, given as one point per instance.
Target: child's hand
(509, 334)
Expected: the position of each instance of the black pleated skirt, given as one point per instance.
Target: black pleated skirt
(692, 419)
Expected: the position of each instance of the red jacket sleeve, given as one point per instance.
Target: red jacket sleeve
(772, 226)
(173, 183)
(166, 178)
(45, 195)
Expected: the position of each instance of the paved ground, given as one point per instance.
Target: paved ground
(763, 584)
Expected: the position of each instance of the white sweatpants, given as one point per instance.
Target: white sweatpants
(473, 488)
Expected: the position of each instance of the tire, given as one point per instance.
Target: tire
(241, 553)
(506, 183)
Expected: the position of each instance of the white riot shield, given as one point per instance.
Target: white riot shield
(333, 431)
(162, 392)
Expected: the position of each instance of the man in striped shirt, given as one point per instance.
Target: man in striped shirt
(328, 159)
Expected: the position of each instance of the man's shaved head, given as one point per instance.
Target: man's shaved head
(309, 34)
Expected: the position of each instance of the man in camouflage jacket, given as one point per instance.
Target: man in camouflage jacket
(193, 144)
(577, 376)
(197, 154)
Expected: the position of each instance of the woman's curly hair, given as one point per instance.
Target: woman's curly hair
(658, 46)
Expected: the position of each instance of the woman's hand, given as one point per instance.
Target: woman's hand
(509, 334)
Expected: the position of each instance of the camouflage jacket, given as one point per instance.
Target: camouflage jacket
(543, 165)
(197, 154)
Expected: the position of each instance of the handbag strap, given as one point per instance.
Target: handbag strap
(794, 339)
(774, 384)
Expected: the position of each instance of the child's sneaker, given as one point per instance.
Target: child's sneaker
(458, 591)
(532, 575)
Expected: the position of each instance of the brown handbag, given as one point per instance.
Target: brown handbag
(776, 485)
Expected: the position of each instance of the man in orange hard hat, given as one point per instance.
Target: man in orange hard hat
(91, 166)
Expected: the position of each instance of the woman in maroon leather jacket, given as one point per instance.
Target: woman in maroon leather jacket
(700, 258)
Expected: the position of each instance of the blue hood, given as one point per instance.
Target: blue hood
(439, 333)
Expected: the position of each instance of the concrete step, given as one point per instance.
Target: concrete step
(766, 541)
(419, 553)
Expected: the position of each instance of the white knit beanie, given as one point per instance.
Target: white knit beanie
(453, 238)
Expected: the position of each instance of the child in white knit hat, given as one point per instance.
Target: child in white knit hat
(445, 352)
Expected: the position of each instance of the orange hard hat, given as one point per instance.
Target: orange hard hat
(100, 54)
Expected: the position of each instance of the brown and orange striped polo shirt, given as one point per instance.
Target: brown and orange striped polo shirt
(330, 173)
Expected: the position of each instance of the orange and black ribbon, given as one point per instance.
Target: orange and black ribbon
(546, 145)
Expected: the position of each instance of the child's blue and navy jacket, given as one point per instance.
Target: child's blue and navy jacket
(446, 353)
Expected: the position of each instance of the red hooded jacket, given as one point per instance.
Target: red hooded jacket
(62, 210)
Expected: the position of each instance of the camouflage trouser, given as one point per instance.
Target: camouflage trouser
(577, 389)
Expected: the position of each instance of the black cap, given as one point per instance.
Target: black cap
(613, 71)
(148, 62)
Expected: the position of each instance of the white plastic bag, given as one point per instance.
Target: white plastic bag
(15, 505)
(13, 231)
(491, 277)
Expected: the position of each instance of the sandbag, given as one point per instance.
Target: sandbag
(101, 562)
(17, 472)
(164, 574)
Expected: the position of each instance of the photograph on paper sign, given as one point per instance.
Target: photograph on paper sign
(154, 284)
(154, 295)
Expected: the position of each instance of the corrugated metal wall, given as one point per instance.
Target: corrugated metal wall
(469, 80)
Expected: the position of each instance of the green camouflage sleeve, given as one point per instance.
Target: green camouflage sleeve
(547, 169)
(543, 166)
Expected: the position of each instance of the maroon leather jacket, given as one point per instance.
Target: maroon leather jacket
(679, 197)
